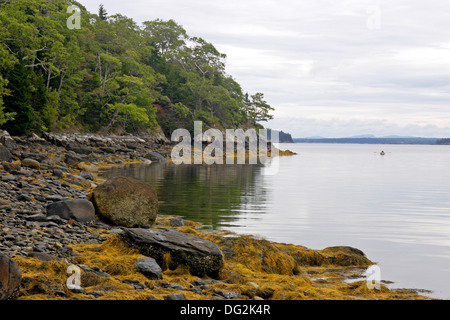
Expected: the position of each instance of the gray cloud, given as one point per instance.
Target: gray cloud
(320, 65)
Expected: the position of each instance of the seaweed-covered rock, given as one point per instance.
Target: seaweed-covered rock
(346, 256)
(203, 257)
(87, 167)
(10, 277)
(126, 202)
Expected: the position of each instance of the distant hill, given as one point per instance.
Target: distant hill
(283, 136)
(443, 141)
(374, 140)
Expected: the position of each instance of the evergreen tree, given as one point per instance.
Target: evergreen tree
(102, 13)
(19, 101)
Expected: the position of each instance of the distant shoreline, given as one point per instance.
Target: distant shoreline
(421, 141)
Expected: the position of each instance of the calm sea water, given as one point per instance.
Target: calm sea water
(395, 208)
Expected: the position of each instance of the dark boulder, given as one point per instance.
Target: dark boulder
(10, 278)
(203, 257)
(77, 209)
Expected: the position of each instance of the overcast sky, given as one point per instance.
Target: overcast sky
(332, 68)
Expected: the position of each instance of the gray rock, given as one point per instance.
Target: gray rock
(25, 197)
(203, 257)
(36, 217)
(78, 148)
(58, 173)
(78, 209)
(72, 158)
(42, 256)
(200, 282)
(65, 251)
(96, 294)
(9, 177)
(24, 172)
(55, 197)
(155, 156)
(7, 140)
(5, 155)
(178, 222)
(149, 268)
(175, 296)
(34, 155)
(87, 175)
(130, 281)
(196, 290)
(35, 138)
(231, 295)
(77, 290)
(174, 286)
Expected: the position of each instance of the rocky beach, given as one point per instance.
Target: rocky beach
(57, 213)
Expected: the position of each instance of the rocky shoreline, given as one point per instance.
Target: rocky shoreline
(167, 259)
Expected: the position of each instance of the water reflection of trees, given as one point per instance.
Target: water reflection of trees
(212, 194)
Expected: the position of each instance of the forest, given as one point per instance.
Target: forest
(65, 69)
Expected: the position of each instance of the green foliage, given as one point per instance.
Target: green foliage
(111, 75)
(257, 108)
(4, 116)
(102, 12)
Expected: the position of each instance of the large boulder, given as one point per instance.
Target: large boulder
(168, 246)
(10, 278)
(78, 209)
(126, 202)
